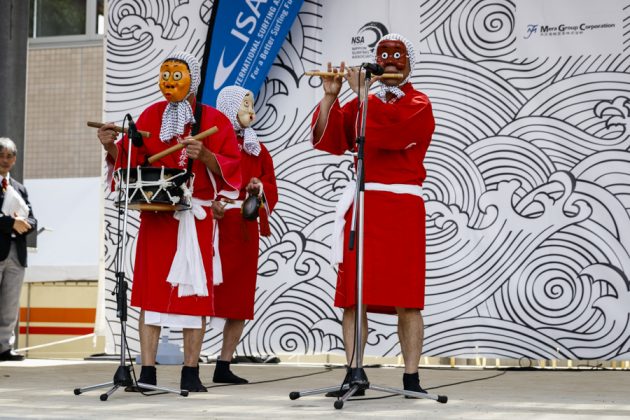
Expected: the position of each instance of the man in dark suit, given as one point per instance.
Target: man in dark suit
(16, 220)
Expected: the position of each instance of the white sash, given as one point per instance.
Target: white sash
(217, 270)
(187, 269)
(344, 204)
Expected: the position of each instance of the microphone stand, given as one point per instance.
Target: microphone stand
(356, 379)
(123, 374)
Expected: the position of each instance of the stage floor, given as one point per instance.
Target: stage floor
(43, 389)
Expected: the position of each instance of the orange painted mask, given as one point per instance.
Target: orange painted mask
(174, 80)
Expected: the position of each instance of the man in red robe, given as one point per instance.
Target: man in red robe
(169, 289)
(398, 132)
(238, 238)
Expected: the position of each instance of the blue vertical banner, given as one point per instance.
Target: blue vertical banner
(244, 38)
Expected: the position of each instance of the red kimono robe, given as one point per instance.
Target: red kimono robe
(397, 136)
(239, 242)
(157, 238)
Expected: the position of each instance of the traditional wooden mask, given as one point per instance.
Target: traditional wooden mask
(174, 80)
(246, 114)
(392, 53)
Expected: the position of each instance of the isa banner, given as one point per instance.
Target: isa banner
(244, 38)
(554, 28)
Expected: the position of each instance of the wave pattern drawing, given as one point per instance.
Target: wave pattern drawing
(527, 193)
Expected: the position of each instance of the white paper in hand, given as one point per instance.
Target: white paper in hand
(14, 203)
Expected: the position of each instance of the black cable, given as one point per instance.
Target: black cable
(273, 380)
(433, 387)
(333, 368)
(118, 264)
(346, 379)
(468, 381)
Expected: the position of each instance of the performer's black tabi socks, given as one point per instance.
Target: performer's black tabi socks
(223, 374)
(411, 382)
(190, 380)
(148, 375)
(340, 393)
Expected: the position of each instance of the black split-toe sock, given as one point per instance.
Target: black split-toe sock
(148, 375)
(341, 392)
(223, 374)
(190, 380)
(411, 382)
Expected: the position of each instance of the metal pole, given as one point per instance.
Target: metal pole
(14, 44)
(359, 212)
(14, 15)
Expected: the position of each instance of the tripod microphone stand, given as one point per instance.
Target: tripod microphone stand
(123, 375)
(356, 379)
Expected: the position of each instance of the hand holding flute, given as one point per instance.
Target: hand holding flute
(332, 87)
(332, 84)
(354, 76)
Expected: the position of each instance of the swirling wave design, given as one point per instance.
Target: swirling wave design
(140, 36)
(527, 194)
(474, 30)
(469, 102)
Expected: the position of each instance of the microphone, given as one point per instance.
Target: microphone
(373, 68)
(132, 132)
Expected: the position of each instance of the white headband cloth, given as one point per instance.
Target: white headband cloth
(178, 114)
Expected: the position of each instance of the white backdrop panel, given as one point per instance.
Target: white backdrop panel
(527, 192)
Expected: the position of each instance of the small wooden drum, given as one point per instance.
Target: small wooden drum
(153, 189)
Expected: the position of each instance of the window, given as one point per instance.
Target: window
(70, 19)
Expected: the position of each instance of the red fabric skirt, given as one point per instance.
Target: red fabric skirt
(155, 250)
(393, 254)
(238, 245)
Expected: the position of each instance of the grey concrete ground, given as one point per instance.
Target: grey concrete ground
(43, 389)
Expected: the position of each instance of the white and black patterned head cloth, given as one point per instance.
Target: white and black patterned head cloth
(412, 61)
(178, 114)
(229, 103)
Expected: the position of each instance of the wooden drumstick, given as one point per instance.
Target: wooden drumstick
(117, 129)
(180, 146)
(330, 73)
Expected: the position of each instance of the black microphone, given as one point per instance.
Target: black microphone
(373, 68)
(132, 132)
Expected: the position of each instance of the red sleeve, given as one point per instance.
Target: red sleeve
(138, 154)
(225, 148)
(338, 134)
(400, 125)
(268, 178)
(396, 126)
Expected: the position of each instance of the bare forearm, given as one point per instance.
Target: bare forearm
(111, 150)
(324, 111)
(210, 160)
(107, 135)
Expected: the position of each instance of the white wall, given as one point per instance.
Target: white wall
(71, 212)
